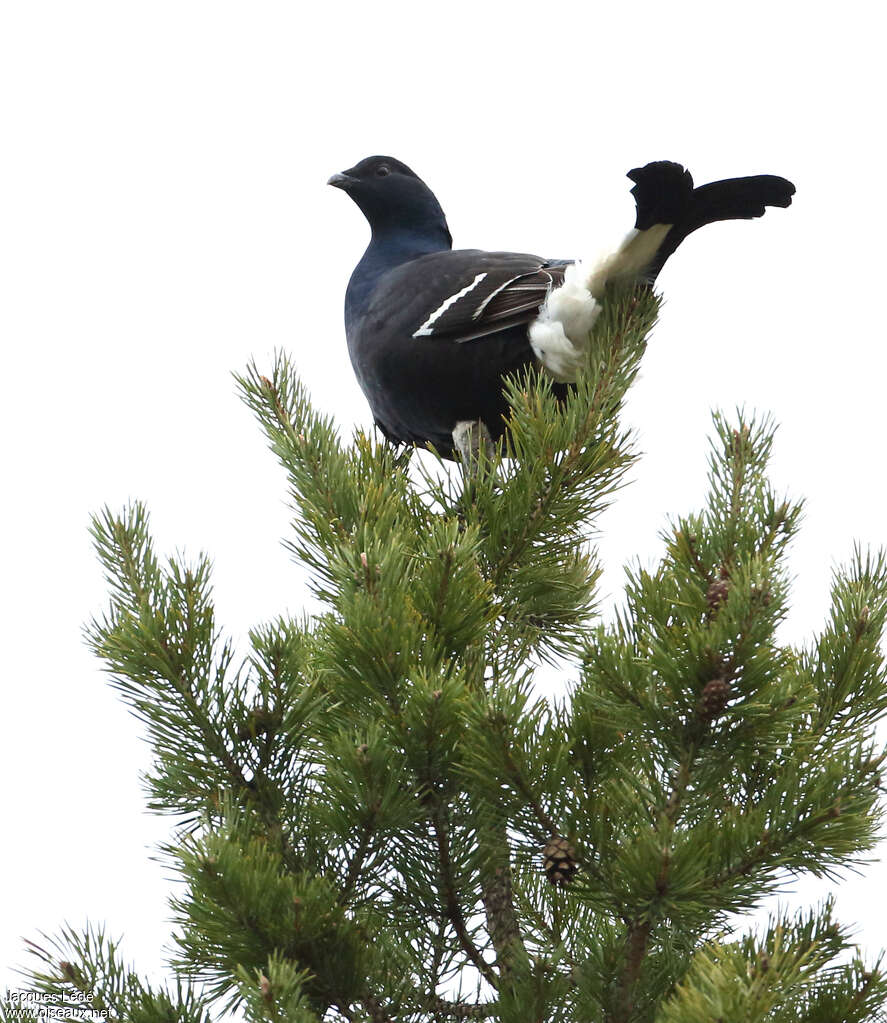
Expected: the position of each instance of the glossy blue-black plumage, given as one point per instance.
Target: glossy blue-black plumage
(432, 331)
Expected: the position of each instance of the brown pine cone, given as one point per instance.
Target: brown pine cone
(559, 861)
(717, 593)
(714, 699)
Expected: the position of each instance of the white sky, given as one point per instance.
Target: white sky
(163, 217)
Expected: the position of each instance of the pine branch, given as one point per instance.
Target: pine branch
(636, 943)
(639, 930)
(451, 903)
(82, 972)
(357, 861)
(463, 1010)
(503, 925)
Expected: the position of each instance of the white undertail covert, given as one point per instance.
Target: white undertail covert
(559, 334)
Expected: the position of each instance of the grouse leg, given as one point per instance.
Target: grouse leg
(470, 437)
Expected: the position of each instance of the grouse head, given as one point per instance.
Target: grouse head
(391, 196)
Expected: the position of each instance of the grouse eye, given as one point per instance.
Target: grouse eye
(383, 170)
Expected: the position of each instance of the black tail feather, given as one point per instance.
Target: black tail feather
(664, 194)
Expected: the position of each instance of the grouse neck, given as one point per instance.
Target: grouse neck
(401, 242)
(387, 250)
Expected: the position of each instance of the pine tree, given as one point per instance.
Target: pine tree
(379, 818)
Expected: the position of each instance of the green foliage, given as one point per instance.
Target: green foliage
(243, 907)
(277, 993)
(366, 799)
(81, 973)
(791, 973)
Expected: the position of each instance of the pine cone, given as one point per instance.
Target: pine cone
(559, 861)
(260, 721)
(717, 594)
(714, 699)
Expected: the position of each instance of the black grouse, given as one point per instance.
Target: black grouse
(432, 330)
